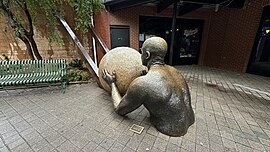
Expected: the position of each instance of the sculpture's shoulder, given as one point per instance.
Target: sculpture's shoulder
(169, 76)
(175, 73)
(165, 72)
(139, 87)
(139, 82)
(172, 69)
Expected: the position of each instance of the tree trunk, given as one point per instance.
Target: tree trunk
(34, 47)
(28, 47)
(30, 34)
(22, 34)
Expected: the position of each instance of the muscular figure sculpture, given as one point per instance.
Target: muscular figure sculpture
(163, 91)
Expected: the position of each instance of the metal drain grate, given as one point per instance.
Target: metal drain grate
(136, 128)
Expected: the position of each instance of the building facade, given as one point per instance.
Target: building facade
(227, 39)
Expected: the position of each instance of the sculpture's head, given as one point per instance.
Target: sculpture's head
(154, 49)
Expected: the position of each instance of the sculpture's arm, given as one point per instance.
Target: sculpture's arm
(131, 100)
(110, 79)
(115, 95)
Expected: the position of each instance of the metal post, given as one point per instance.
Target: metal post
(173, 31)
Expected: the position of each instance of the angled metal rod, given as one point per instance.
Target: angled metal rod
(99, 40)
(173, 32)
(164, 4)
(91, 64)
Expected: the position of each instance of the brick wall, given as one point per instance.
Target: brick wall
(101, 22)
(231, 37)
(228, 34)
(15, 48)
(8, 44)
(217, 31)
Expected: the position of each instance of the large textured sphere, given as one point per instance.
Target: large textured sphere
(127, 64)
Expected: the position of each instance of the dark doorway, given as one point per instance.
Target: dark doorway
(119, 36)
(187, 37)
(259, 62)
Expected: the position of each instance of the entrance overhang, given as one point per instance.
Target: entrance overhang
(114, 5)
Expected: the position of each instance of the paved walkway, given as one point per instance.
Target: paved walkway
(232, 114)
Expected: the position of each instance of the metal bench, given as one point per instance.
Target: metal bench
(32, 72)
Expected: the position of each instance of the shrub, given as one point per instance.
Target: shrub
(77, 75)
(76, 63)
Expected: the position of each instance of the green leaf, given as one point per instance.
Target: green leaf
(43, 15)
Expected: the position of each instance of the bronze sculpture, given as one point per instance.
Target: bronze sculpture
(127, 62)
(163, 91)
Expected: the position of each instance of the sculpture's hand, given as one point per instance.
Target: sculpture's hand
(109, 78)
(144, 72)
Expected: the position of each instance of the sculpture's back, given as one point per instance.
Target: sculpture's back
(168, 100)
